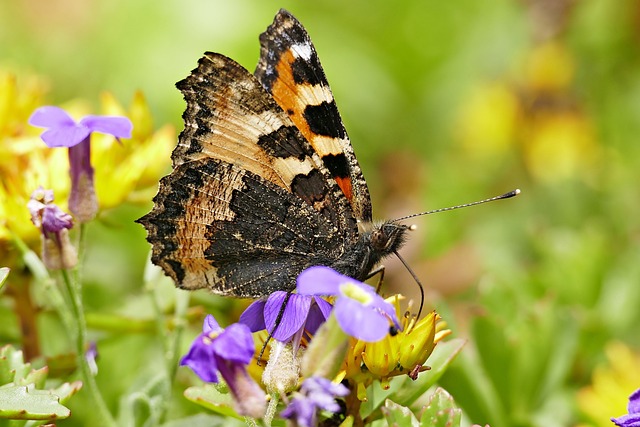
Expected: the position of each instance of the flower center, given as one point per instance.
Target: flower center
(355, 292)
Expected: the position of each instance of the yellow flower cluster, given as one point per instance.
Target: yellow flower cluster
(123, 172)
(401, 354)
(611, 385)
(535, 114)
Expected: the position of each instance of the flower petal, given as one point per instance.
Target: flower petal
(318, 313)
(120, 127)
(210, 324)
(634, 402)
(293, 318)
(235, 344)
(201, 360)
(325, 307)
(253, 316)
(361, 322)
(65, 136)
(320, 280)
(50, 117)
(55, 219)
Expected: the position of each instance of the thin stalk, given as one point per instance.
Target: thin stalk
(79, 331)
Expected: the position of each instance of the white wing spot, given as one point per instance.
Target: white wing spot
(302, 51)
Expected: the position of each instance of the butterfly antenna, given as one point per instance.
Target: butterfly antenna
(415, 277)
(508, 195)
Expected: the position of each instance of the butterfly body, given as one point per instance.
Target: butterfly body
(265, 182)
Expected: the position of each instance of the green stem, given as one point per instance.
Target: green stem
(79, 331)
(171, 344)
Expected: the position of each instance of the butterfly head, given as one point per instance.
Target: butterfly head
(389, 236)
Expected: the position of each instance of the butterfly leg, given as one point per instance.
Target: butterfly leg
(275, 326)
(378, 270)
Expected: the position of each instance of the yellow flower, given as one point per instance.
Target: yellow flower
(537, 113)
(402, 354)
(123, 172)
(611, 385)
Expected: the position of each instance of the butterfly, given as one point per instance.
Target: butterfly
(265, 182)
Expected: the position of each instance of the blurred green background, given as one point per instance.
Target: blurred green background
(445, 103)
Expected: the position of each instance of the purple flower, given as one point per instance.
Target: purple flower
(63, 131)
(316, 393)
(360, 312)
(301, 313)
(91, 355)
(227, 352)
(53, 222)
(632, 419)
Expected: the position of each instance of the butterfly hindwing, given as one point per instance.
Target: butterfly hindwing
(218, 226)
(290, 70)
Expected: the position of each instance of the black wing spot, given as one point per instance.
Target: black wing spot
(324, 119)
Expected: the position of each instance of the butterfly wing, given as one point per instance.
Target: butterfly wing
(249, 203)
(290, 70)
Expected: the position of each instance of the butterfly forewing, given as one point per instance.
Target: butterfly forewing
(290, 70)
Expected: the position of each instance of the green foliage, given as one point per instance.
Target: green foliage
(24, 394)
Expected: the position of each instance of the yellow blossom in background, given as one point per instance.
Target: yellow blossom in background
(402, 354)
(18, 99)
(488, 120)
(611, 385)
(124, 172)
(536, 114)
(559, 145)
(549, 68)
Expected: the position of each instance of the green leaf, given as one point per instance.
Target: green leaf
(26, 403)
(442, 356)
(398, 415)
(440, 411)
(36, 376)
(66, 390)
(12, 366)
(209, 397)
(403, 390)
(4, 273)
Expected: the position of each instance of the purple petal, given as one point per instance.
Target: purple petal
(253, 316)
(325, 307)
(320, 280)
(201, 360)
(235, 344)
(302, 410)
(359, 321)
(323, 392)
(293, 318)
(634, 402)
(210, 324)
(378, 303)
(318, 313)
(50, 117)
(630, 420)
(55, 219)
(65, 136)
(120, 127)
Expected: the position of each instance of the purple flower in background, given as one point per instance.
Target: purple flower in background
(632, 419)
(46, 215)
(316, 393)
(54, 223)
(227, 352)
(63, 131)
(360, 312)
(301, 313)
